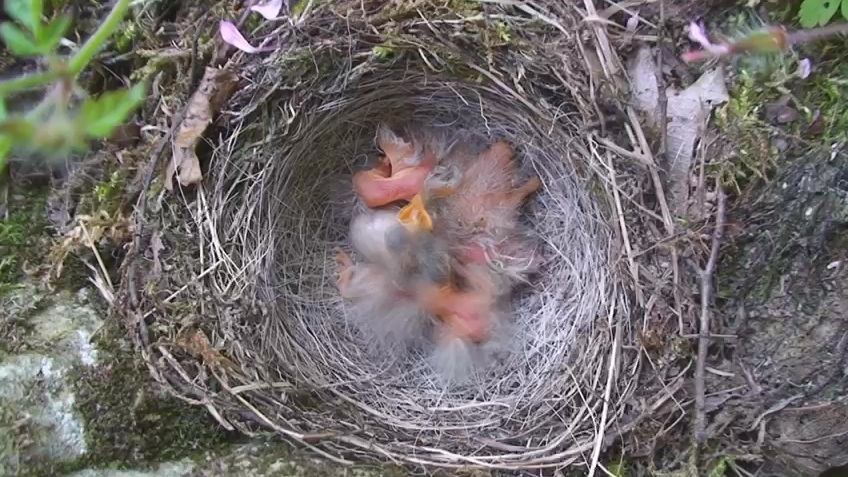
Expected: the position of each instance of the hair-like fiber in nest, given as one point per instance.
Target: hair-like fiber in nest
(279, 201)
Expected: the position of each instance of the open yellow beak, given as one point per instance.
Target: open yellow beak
(414, 215)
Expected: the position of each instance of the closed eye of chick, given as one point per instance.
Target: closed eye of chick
(400, 175)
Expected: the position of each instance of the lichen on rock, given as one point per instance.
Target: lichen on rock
(38, 418)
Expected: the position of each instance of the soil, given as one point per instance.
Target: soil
(790, 313)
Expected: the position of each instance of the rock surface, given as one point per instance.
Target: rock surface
(41, 350)
(785, 295)
(74, 403)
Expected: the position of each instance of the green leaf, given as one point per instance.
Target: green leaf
(26, 12)
(817, 12)
(720, 467)
(2, 109)
(100, 116)
(5, 149)
(618, 469)
(17, 41)
(50, 36)
(845, 9)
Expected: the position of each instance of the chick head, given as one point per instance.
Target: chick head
(442, 181)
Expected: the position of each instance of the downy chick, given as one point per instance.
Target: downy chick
(400, 173)
(482, 212)
(397, 257)
(464, 301)
(385, 313)
(471, 323)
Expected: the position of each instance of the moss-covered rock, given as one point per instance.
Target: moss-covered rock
(39, 422)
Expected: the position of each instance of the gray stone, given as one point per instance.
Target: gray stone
(38, 421)
(168, 469)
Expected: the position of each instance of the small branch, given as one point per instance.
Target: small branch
(768, 40)
(661, 89)
(706, 277)
(26, 82)
(806, 36)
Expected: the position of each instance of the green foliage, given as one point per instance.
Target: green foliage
(31, 37)
(820, 12)
(54, 127)
(619, 468)
(17, 233)
(719, 469)
(383, 52)
(101, 115)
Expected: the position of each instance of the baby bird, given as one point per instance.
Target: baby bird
(399, 175)
(486, 201)
(482, 213)
(383, 311)
(398, 259)
(445, 261)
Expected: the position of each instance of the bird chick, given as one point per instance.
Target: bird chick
(398, 257)
(400, 173)
(483, 210)
(486, 199)
(469, 316)
(384, 312)
(369, 232)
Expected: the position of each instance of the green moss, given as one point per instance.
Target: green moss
(753, 157)
(126, 36)
(127, 423)
(109, 193)
(465, 7)
(20, 232)
(618, 467)
(383, 52)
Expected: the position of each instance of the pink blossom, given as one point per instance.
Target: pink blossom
(805, 67)
(269, 9)
(698, 34)
(232, 36)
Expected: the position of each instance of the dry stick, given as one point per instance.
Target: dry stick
(706, 276)
(662, 101)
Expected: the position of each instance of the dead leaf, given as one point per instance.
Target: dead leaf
(643, 78)
(86, 232)
(816, 126)
(215, 88)
(687, 114)
(197, 344)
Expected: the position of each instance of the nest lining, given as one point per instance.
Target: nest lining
(277, 202)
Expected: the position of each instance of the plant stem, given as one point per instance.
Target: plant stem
(805, 36)
(78, 62)
(98, 39)
(26, 82)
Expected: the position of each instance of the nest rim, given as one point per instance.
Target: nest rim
(258, 387)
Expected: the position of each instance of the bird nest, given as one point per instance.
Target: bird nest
(244, 316)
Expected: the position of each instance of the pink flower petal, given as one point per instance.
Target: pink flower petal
(698, 35)
(231, 35)
(695, 56)
(269, 9)
(805, 67)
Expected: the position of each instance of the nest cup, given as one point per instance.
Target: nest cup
(277, 201)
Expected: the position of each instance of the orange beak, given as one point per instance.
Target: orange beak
(414, 215)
